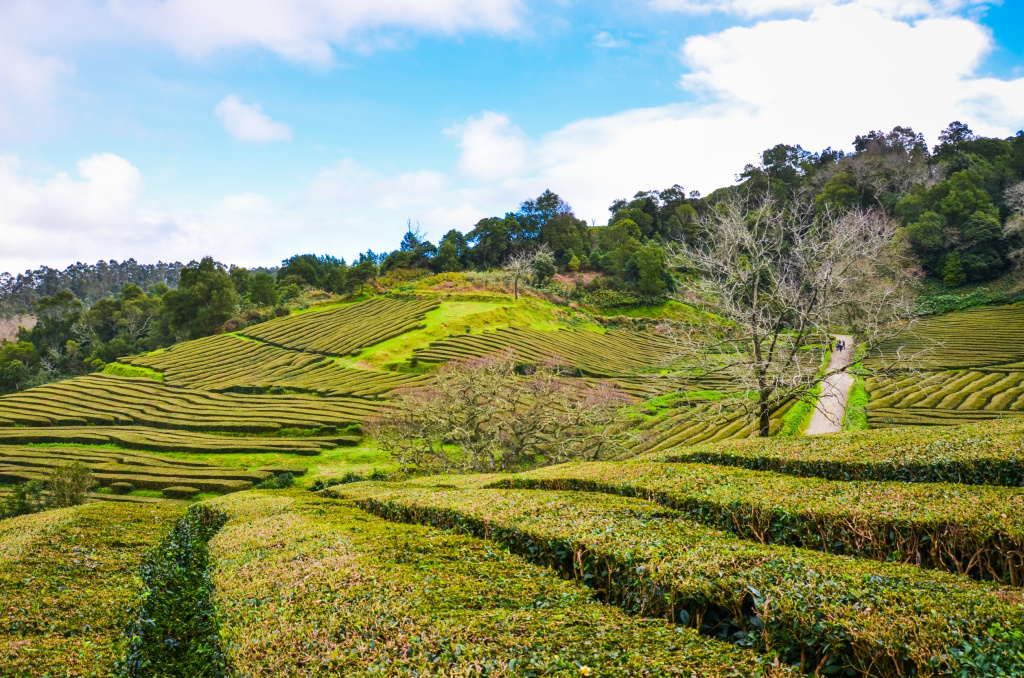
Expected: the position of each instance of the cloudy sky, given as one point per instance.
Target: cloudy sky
(255, 129)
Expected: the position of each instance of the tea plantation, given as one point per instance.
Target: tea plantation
(698, 550)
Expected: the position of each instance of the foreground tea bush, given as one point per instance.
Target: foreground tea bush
(825, 614)
(174, 631)
(982, 454)
(958, 528)
(308, 587)
(68, 583)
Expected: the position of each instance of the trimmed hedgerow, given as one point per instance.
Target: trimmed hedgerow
(343, 330)
(611, 354)
(229, 363)
(165, 440)
(972, 530)
(175, 631)
(143, 471)
(105, 399)
(976, 454)
(825, 614)
(313, 587)
(68, 583)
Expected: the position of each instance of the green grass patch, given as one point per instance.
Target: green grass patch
(856, 418)
(123, 370)
(798, 417)
(455, 317)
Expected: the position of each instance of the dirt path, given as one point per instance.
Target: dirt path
(828, 415)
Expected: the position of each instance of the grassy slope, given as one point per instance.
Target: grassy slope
(454, 317)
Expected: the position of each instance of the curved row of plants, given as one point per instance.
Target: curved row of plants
(965, 529)
(824, 614)
(228, 363)
(110, 400)
(975, 454)
(314, 587)
(344, 330)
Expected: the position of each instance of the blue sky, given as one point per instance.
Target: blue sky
(172, 129)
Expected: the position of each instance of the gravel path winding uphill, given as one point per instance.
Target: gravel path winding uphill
(835, 389)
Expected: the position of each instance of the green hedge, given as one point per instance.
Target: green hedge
(69, 582)
(313, 587)
(976, 454)
(966, 529)
(175, 631)
(825, 614)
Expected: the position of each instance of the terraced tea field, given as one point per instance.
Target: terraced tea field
(106, 400)
(958, 368)
(612, 354)
(165, 440)
(228, 363)
(890, 552)
(139, 470)
(344, 330)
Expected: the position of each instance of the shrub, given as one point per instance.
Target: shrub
(25, 498)
(813, 610)
(122, 488)
(277, 482)
(180, 492)
(69, 484)
(175, 630)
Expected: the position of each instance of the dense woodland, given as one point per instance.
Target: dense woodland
(959, 208)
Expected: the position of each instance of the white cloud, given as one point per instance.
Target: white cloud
(306, 31)
(39, 38)
(248, 122)
(761, 8)
(777, 82)
(606, 40)
(493, 148)
(67, 219)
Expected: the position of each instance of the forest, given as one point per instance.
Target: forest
(958, 208)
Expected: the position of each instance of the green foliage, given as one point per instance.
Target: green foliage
(72, 471)
(124, 370)
(262, 290)
(68, 484)
(277, 482)
(69, 581)
(953, 271)
(945, 527)
(231, 363)
(175, 631)
(543, 267)
(406, 600)
(648, 269)
(798, 417)
(856, 418)
(204, 301)
(980, 454)
(652, 562)
(25, 498)
(17, 363)
(147, 403)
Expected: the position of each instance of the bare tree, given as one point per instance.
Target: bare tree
(482, 415)
(521, 266)
(777, 282)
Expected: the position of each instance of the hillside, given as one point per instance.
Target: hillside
(693, 550)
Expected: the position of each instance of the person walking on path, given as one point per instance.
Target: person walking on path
(830, 410)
